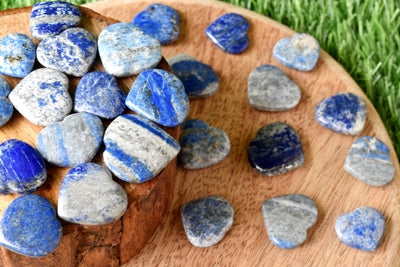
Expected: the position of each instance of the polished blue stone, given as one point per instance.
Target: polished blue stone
(206, 220)
(160, 21)
(199, 79)
(17, 55)
(159, 96)
(276, 149)
(300, 52)
(6, 108)
(29, 226)
(343, 113)
(229, 32)
(22, 169)
(51, 18)
(362, 229)
(202, 145)
(98, 93)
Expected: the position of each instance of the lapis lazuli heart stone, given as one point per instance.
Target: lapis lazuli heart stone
(300, 52)
(125, 50)
(362, 229)
(17, 55)
(72, 52)
(202, 145)
(98, 93)
(137, 149)
(51, 18)
(6, 107)
(160, 21)
(343, 113)
(199, 79)
(22, 169)
(206, 220)
(29, 226)
(159, 96)
(89, 196)
(368, 160)
(229, 32)
(276, 149)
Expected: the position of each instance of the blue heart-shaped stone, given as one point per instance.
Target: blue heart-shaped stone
(229, 32)
(29, 226)
(17, 55)
(98, 93)
(160, 21)
(343, 113)
(362, 228)
(6, 108)
(159, 96)
(276, 149)
(72, 52)
(22, 169)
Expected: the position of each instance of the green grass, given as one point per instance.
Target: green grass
(362, 35)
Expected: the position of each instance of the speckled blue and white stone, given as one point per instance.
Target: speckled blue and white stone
(268, 88)
(362, 229)
(202, 145)
(199, 79)
(229, 32)
(159, 96)
(160, 21)
(276, 149)
(137, 149)
(51, 18)
(98, 93)
(206, 220)
(42, 97)
(22, 169)
(70, 142)
(125, 50)
(6, 108)
(369, 161)
(72, 52)
(343, 113)
(300, 52)
(287, 219)
(29, 226)
(89, 196)
(17, 55)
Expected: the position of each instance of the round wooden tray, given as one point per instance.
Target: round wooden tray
(107, 245)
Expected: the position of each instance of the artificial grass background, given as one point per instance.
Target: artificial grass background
(362, 35)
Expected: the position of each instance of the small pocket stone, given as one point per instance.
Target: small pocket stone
(6, 107)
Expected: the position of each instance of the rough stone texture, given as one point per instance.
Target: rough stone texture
(199, 79)
(276, 149)
(269, 89)
(137, 149)
(287, 219)
(125, 50)
(206, 220)
(160, 21)
(17, 55)
(89, 196)
(72, 52)
(73, 141)
(98, 93)
(202, 145)
(300, 52)
(51, 18)
(159, 96)
(368, 160)
(344, 113)
(42, 97)
(362, 228)
(6, 107)
(29, 226)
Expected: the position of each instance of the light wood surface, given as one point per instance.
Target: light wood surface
(322, 178)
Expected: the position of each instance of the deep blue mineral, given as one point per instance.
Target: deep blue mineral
(6, 107)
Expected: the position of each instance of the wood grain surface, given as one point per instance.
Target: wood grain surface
(322, 178)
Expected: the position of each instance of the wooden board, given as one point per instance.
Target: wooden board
(111, 244)
(322, 178)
